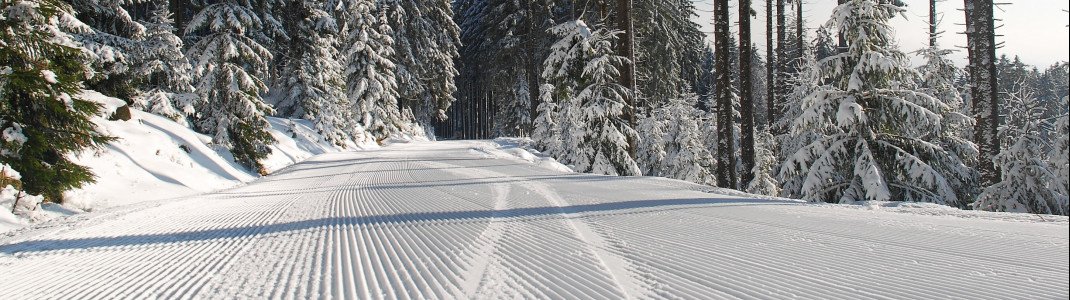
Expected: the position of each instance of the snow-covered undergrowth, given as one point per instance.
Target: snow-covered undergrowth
(155, 158)
(522, 149)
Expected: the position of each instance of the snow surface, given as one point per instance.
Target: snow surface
(455, 220)
(156, 158)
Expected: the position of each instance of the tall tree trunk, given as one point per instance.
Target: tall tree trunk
(800, 34)
(932, 23)
(770, 64)
(627, 74)
(746, 100)
(843, 39)
(782, 60)
(984, 90)
(532, 70)
(178, 13)
(726, 162)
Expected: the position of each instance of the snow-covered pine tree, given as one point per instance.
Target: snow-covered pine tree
(687, 157)
(1026, 175)
(547, 134)
(765, 163)
(938, 79)
(583, 70)
(311, 85)
(669, 50)
(42, 119)
(1059, 158)
(426, 41)
(370, 74)
(882, 151)
(793, 139)
(673, 142)
(112, 38)
(228, 63)
(650, 152)
(163, 72)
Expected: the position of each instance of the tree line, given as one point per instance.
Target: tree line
(361, 71)
(833, 114)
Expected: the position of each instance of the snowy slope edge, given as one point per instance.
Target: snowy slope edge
(155, 158)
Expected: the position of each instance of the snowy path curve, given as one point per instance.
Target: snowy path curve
(446, 220)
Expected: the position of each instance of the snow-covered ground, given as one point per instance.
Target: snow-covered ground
(471, 220)
(156, 158)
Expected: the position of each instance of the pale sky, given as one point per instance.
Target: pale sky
(1035, 30)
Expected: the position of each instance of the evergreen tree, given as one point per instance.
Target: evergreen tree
(1026, 174)
(765, 164)
(42, 119)
(312, 86)
(370, 74)
(547, 134)
(1059, 158)
(937, 79)
(426, 42)
(163, 70)
(112, 39)
(673, 143)
(228, 62)
(584, 72)
(882, 150)
(686, 157)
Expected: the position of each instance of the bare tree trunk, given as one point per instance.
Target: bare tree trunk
(178, 11)
(842, 39)
(800, 30)
(532, 70)
(932, 23)
(627, 74)
(726, 162)
(746, 100)
(984, 90)
(770, 65)
(780, 80)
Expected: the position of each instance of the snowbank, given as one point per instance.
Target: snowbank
(521, 149)
(156, 158)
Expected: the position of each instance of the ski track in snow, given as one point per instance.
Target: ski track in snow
(439, 221)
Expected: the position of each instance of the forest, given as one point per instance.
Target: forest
(835, 114)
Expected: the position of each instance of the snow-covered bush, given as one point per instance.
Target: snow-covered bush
(584, 72)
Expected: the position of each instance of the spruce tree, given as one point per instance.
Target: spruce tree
(163, 71)
(229, 64)
(426, 41)
(112, 38)
(311, 84)
(765, 162)
(42, 119)
(370, 74)
(584, 72)
(1026, 175)
(882, 148)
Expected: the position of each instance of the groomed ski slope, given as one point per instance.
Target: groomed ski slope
(452, 220)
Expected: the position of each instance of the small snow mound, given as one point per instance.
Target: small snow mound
(524, 149)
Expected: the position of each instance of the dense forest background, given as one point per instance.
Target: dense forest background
(624, 87)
